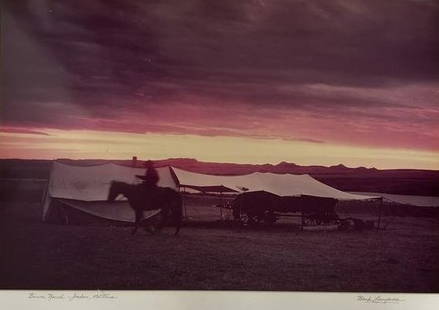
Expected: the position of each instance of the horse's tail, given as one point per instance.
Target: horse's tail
(177, 211)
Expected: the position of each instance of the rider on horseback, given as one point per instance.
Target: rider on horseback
(151, 177)
(148, 196)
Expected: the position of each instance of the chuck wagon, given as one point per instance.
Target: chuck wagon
(259, 207)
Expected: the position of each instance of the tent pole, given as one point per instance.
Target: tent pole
(43, 202)
(46, 195)
(221, 208)
(64, 215)
(184, 205)
(302, 221)
(182, 200)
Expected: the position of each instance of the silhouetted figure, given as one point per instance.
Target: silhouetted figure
(149, 196)
(151, 177)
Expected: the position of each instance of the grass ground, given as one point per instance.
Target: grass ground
(36, 255)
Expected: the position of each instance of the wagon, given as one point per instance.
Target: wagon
(255, 208)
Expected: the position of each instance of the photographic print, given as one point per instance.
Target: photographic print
(233, 145)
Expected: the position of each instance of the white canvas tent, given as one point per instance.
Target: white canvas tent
(86, 189)
(279, 184)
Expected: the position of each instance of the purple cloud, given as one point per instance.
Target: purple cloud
(283, 69)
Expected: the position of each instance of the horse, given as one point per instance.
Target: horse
(141, 198)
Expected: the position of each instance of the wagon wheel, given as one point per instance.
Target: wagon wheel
(244, 219)
(248, 220)
(309, 219)
(254, 219)
(257, 219)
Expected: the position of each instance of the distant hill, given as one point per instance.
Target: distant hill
(237, 169)
(360, 179)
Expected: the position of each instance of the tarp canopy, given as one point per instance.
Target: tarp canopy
(93, 183)
(279, 184)
(79, 184)
(81, 187)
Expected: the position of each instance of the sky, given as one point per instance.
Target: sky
(249, 81)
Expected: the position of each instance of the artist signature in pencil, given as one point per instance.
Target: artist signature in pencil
(379, 299)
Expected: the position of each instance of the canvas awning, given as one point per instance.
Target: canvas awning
(76, 185)
(93, 183)
(279, 184)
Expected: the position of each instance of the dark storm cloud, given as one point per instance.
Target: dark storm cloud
(66, 61)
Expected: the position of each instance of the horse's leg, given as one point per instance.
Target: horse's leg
(164, 212)
(149, 226)
(139, 214)
(177, 211)
(178, 220)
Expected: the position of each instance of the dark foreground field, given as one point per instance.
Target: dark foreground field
(35, 255)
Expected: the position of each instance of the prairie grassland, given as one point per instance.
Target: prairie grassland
(210, 255)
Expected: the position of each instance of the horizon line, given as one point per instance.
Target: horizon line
(214, 162)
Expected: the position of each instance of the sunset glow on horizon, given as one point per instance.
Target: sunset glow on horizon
(83, 144)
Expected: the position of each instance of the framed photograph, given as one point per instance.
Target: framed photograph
(233, 153)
